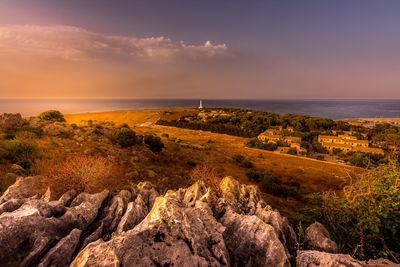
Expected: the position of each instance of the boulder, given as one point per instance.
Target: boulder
(317, 238)
(34, 228)
(61, 254)
(24, 187)
(170, 235)
(57, 129)
(8, 120)
(251, 242)
(311, 258)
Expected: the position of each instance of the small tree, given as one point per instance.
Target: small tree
(125, 136)
(154, 143)
(52, 115)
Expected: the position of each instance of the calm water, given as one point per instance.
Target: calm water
(335, 109)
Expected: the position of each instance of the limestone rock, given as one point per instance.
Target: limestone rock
(57, 129)
(243, 198)
(251, 242)
(32, 229)
(311, 258)
(60, 255)
(171, 234)
(8, 120)
(24, 187)
(317, 238)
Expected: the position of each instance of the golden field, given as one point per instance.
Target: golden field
(217, 150)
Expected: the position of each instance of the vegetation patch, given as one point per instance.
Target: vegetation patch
(84, 173)
(154, 143)
(52, 115)
(125, 136)
(19, 152)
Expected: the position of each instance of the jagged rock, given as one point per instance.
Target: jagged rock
(243, 198)
(17, 168)
(35, 122)
(171, 234)
(110, 218)
(14, 204)
(60, 255)
(8, 120)
(281, 226)
(189, 196)
(195, 226)
(137, 210)
(381, 263)
(317, 238)
(311, 258)
(57, 129)
(35, 227)
(246, 199)
(24, 187)
(251, 242)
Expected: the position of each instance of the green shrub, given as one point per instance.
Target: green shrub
(254, 175)
(256, 143)
(359, 160)
(21, 153)
(242, 161)
(238, 158)
(367, 217)
(52, 115)
(154, 143)
(292, 151)
(125, 136)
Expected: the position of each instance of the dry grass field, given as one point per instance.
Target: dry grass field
(217, 150)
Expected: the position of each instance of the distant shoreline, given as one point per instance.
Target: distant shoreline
(341, 109)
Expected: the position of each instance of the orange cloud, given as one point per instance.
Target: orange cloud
(74, 43)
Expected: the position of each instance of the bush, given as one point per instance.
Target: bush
(84, 173)
(270, 184)
(154, 143)
(271, 146)
(21, 153)
(52, 115)
(359, 160)
(255, 143)
(292, 151)
(124, 136)
(366, 221)
(238, 158)
(207, 174)
(254, 175)
(74, 125)
(245, 163)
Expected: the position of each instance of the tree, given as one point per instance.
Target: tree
(154, 143)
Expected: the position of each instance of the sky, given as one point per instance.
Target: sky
(308, 49)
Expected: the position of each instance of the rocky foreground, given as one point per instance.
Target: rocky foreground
(197, 226)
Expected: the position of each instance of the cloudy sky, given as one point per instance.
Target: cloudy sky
(283, 49)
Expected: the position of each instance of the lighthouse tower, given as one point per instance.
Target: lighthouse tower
(201, 104)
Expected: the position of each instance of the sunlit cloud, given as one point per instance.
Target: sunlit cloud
(74, 43)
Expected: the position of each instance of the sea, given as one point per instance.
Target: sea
(335, 109)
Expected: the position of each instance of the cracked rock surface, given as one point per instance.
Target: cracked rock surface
(195, 226)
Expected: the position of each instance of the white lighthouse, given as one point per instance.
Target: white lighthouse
(201, 104)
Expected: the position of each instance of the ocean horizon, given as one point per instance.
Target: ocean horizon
(335, 109)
